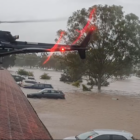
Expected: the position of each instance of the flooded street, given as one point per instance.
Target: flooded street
(84, 112)
(128, 86)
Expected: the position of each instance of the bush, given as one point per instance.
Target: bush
(65, 78)
(30, 73)
(22, 72)
(85, 88)
(45, 76)
(76, 84)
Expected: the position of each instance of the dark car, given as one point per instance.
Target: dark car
(18, 78)
(48, 93)
(39, 86)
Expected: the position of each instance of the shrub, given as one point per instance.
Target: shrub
(85, 88)
(45, 76)
(22, 72)
(76, 84)
(30, 73)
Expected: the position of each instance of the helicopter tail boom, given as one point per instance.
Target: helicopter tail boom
(17, 47)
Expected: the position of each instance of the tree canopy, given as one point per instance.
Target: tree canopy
(33, 60)
(8, 61)
(115, 44)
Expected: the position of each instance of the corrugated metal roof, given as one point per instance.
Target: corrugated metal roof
(18, 119)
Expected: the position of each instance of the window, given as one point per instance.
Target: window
(118, 137)
(36, 85)
(85, 135)
(32, 82)
(41, 86)
(31, 78)
(46, 91)
(47, 86)
(54, 91)
(102, 137)
(17, 77)
(60, 92)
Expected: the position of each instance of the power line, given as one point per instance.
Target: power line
(35, 20)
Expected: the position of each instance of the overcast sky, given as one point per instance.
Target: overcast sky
(46, 9)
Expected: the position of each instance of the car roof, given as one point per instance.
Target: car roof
(48, 89)
(43, 84)
(17, 75)
(30, 76)
(29, 80)
(26, 79)
(111, 131)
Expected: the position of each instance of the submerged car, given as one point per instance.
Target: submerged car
(18, 78)
(30, 78)
(39, 86)
(48, 93)
(103, 134)
(26, 83)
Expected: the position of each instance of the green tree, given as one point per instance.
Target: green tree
(115, 41)
(53, 62)
(31, 60)
(20, 60)
(8, 61)
(42, 58)
(72, 65)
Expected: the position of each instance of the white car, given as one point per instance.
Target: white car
(26, 83)
(103, 134)
(30, 78)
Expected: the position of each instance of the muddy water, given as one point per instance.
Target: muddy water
(128, 86)
(84, 112)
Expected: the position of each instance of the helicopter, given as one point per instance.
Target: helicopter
(9, 44)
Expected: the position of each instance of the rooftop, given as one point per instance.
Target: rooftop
(18, 119)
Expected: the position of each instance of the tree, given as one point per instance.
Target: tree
(34, 60)
(31, 60)
(20, 60)
(73, 66)
(42, 58)
(8, 61)
(54, 62)
(27, 60)
(114, 44)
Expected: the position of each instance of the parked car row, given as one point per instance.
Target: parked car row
(35, 85)
(46, 91)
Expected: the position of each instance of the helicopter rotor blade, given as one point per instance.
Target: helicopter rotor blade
(37, 20)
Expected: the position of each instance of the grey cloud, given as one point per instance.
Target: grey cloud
(43, 9)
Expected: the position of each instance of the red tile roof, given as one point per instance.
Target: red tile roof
(18, 119)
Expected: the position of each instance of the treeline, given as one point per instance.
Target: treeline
(34, 60)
